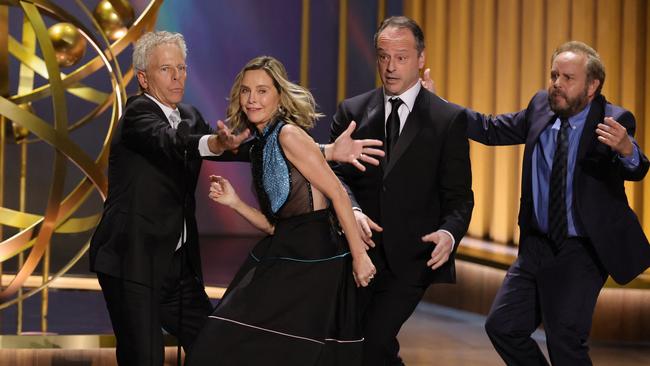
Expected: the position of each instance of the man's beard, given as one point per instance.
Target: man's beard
(574, 105)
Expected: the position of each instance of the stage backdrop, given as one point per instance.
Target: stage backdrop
(493, 55)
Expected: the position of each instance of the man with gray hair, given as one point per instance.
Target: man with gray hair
(145, 249)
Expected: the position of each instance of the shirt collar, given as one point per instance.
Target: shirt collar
(408, 97)
(580, 118)
(576, 120)
(166, 110)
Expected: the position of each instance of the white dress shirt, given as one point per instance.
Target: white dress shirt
(408, 97)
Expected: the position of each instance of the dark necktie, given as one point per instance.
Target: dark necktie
(557, 214)
(392, 126)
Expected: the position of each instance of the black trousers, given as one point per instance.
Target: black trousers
(559, 290)
(138, 312)
(386, 304)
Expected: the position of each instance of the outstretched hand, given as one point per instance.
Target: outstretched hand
(347, 150)
(224, 139)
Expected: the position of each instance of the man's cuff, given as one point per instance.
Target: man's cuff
(453, 241)
(357, 209)
(204, 150)
(631, 162)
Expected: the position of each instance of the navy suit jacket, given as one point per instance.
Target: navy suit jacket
(601, 208)
(426, 186)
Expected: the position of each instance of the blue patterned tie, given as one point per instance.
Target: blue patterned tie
(557, 213)
(392, 126)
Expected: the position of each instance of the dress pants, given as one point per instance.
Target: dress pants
(558, 290)
(138, 312)
(386, 304)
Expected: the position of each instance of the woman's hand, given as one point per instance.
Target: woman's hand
(221, 191)
(363, 270)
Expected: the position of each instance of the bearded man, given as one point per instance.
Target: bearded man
(575, 222)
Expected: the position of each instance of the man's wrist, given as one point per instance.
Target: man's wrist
(213, 145)
(453, 240)
(631, 161)
(628, 151)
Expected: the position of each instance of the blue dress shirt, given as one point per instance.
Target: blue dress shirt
(543, 163)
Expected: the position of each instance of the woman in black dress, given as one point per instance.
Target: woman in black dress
(293, 301)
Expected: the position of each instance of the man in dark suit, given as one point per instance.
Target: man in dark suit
(145, 249)
(576, 224)
(138, 251)
(419, 200)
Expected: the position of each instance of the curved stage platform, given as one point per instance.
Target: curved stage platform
(447, 329)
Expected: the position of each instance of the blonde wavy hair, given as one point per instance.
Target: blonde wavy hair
(297, 104)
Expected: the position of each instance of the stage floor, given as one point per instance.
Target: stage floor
(434, 335)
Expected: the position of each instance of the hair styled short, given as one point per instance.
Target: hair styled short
(149, 41)
(403, 22)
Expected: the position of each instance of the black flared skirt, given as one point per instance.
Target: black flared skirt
(293, 302)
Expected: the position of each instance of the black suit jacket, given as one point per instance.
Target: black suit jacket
(425, 187)
(143, 212)
(600, 205)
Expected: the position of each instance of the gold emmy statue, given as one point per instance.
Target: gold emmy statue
(57, 58)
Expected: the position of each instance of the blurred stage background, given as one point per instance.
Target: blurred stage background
(490, 55)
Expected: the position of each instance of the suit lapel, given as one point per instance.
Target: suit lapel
(154, 106)
(595, 116)
(412, 127)
(538, 128)
(539, 124)
(546, 117)
(186, 115)
(375, 116)
(373, 121)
